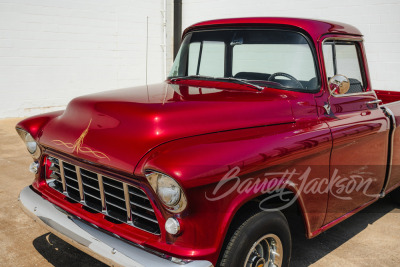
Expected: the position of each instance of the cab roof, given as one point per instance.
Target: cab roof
(315, 28)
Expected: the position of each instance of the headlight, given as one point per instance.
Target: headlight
(168, 190)
(30, 143)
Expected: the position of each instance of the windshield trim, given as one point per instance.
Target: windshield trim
(277, 28)
(225, 79)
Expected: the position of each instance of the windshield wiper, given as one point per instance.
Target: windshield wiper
(231, 79)
(242, 81)
(174, 79)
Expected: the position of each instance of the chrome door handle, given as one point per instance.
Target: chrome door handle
(376, 101)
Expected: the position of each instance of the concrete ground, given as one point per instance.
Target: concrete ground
(370, 238)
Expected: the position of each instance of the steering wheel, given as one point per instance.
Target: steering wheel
(272, 78)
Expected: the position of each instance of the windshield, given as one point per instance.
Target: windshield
(273, 58)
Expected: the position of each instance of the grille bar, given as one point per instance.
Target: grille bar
(141, 206)
(101, 188)
(127, 203)
(112, 186)
(64, 186)
(144, 217)
(117, 200)
(138, 195)
(89, 177)
(90, 186)
(79, 177)
(70, 186)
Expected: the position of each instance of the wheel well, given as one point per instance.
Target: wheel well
(292, 213)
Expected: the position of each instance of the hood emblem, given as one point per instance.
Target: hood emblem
(78, 146)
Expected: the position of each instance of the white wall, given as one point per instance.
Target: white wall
(378, 20)
(54, 50)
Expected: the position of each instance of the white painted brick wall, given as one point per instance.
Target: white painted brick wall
(378, 20)
(54, 50)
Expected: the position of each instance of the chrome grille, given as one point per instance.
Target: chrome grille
(117, 200)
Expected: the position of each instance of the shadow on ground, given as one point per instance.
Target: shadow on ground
(305, 251)
(59, 253)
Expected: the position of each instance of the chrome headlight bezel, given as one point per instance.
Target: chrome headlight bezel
(31, 145)
(163, 184)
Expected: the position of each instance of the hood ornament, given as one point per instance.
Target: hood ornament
(78, 146)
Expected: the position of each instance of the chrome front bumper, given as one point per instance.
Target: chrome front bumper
(93, 241)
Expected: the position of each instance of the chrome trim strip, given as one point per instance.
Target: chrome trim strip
(90, 195)
(70, 186)
(136, 194)
(113, 186)
(392, 119)
(372, 93)
(79, 178)
(102, 245)
(90, 186)
(346, 39)
(89, 177)
(69, 169)
(141, 206)
(127, 202)
(114, 196)
(71, 178)
(376, 101)
(116, 206)
(64, 185)
(101, 187)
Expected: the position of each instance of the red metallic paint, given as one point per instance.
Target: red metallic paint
(36, 123)
(387, 96)
(203, 161)
(128, 123)
(196, 131)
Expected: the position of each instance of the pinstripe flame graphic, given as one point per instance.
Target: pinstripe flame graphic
(78, 147)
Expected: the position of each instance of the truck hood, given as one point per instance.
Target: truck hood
(117, 128)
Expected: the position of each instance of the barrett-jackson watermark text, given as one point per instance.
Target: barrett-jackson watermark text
(274, 185)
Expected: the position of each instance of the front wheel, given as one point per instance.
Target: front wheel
(262, 240)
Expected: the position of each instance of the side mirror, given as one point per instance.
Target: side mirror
(339, 85)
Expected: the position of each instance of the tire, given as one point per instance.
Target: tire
(264, 229)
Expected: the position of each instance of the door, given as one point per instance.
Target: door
(359, 130)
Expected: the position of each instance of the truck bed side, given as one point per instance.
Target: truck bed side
(391, 103)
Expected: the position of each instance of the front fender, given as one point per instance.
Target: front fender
(35, 124)
(231, 161)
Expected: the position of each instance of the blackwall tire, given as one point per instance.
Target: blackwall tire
(264, 237)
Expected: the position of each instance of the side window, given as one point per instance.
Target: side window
(206, 58)
(343, 58)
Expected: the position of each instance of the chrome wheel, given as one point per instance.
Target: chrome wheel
(266, 252)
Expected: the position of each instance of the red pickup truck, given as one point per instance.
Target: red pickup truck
(257, 116)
